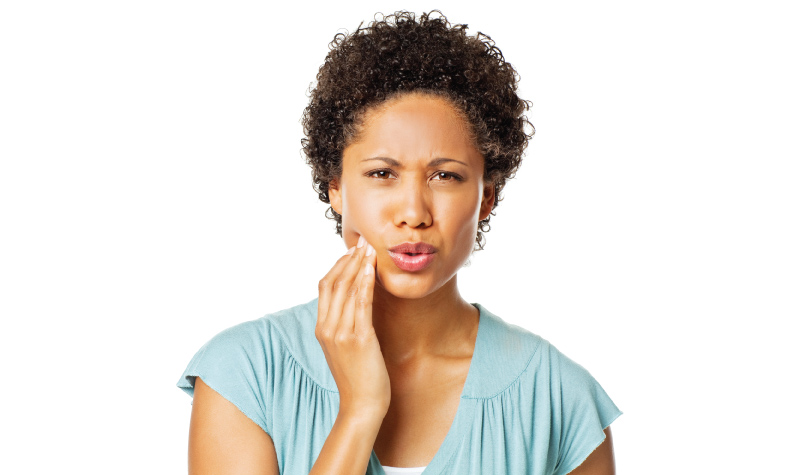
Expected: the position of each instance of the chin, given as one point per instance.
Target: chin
(407, 286)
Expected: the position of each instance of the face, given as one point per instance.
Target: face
(413, 175)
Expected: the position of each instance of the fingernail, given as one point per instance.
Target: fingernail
(368, 270)
(361, 241)
(350, 251)
(370, 250)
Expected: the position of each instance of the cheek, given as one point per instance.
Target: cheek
(467, 233)
(360, 216)
(462, 218)
(459, 228)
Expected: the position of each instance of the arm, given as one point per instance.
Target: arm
(345, 333)
(599, 462)
(348, 446)
(223, 440)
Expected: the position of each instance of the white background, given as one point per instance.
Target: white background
(153, 193)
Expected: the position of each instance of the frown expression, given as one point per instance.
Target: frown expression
(413, 174)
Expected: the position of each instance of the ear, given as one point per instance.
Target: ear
(487, 202)
(335, 195)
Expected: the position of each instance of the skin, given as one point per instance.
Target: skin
(398, 343)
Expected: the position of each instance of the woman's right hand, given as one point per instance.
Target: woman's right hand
(345, 332)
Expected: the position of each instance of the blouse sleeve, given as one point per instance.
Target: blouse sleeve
(585, 411)
(235, 364)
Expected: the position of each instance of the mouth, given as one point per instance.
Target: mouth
(412, 261)
(412, 256)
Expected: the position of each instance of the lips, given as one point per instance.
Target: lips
(413, 248)
(412, 257)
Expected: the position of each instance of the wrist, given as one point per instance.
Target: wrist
(363, 417)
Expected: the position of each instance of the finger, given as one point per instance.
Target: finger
(341, 285)
(326, 286)
(347, 320)
(363, 303)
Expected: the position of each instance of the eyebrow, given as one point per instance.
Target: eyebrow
(433, 163)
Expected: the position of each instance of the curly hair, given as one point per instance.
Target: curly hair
(398, 54)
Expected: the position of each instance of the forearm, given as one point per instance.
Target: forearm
(349, 445)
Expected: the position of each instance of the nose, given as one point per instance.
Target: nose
(413, 205)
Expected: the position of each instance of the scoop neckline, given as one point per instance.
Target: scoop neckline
(464, 413)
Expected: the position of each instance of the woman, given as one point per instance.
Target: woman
(411, 132)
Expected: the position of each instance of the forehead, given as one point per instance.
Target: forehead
(415, 127)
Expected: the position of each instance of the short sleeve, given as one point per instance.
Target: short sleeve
(585, 411)
(235, 364)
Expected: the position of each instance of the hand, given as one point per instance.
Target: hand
(345, 332)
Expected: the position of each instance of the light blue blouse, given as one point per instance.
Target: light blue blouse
(525, 407)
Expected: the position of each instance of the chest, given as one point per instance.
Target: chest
(423, 407)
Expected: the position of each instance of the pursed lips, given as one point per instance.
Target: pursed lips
(413, 248)
(411, 257)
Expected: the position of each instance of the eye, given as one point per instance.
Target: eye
(381, 174)
(447, 176)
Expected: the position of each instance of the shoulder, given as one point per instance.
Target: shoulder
(571, 386)
(508, 353)
(258, 348)
(284, 330)
(246, 363)
(503, 352)
(559, 408)
(247, 342)
(570, 375)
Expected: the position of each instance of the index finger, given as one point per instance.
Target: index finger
(363, 303)
(326, 286)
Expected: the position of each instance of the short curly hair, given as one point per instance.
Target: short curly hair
(399, 54)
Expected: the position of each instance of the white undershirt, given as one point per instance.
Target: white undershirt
(403, 470)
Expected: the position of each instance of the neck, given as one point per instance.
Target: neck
(441, 324)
